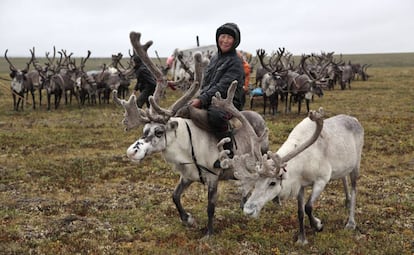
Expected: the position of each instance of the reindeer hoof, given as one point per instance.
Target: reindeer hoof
(206, 237)
(302, 241)
(190, 222)
(319, 228)
(350, 225)
(317, 225)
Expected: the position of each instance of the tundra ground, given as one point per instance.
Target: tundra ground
(66, 186)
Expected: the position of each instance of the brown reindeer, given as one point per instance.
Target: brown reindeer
(20, 83)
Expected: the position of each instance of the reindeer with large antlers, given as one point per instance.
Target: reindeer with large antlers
(19, 84)
(185, 142)
(283, 79)
(315, 152)
(272, 84)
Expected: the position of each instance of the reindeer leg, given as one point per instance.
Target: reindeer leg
(48, 101)
(26, 96)
(20, 101)
(307, 104)
(351, 221)
(286, 103)
(276, 103)
(291, 98)
(211, 207)
(186, 218)
(346, 191)
(14, 101)
(33, 98)
(40, 97)
(57, 99)
(317, 189)
(302, 237)
(66, 97)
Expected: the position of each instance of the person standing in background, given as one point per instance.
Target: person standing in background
(146, 82)
(247, 70)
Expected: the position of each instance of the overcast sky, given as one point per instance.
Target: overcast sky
(301, 26)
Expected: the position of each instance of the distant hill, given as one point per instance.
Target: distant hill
(382, 59)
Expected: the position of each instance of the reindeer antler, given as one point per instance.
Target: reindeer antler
(200, 64)
(133, 116)
(227, 104)
(242, 164)
(316, 116)
(172, 110)
(11, 66)
(141, 51)
(83, 60)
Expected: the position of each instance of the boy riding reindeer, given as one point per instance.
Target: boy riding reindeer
(191, 149)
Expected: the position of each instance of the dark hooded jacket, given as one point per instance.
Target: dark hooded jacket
(145, 82)
(145, 79)
(222, 70)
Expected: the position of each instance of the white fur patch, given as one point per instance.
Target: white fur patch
(112, 70)
(17, 86)
(78, 81)
(138, 150)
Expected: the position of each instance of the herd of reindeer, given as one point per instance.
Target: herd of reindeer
(279, 78)
(62, 77)
(276, 76)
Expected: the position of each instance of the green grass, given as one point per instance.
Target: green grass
(66, 186)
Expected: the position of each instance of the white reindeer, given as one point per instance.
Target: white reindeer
(334, 152)
(185, 144)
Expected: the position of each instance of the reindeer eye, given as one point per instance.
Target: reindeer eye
(159, 133)
(272, 184)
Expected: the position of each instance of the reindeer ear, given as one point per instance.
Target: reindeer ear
(172, 125)
(282, 173)
(12, 74)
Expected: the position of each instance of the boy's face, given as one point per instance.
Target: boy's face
(225, 42)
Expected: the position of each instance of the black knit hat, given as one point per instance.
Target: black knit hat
(226, 30)
(230, 29)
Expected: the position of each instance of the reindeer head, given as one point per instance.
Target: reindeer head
(317, 77)
(155, 120)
